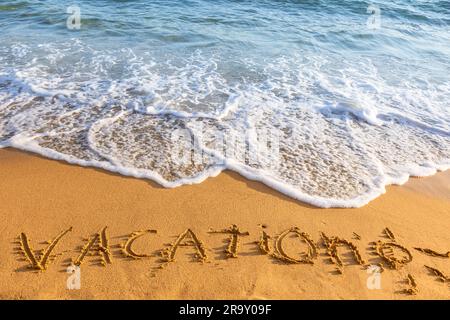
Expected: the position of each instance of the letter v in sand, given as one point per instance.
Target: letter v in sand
(41, 261)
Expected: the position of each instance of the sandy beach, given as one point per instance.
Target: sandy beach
(41, 198)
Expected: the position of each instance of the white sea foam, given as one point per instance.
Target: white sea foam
(332, 133)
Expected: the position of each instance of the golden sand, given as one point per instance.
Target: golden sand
(135, 240)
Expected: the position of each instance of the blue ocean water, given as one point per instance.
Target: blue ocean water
(326, 101)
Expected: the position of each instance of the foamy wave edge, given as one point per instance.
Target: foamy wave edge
(24, 144)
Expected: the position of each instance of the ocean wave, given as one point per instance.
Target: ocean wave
(325, 112)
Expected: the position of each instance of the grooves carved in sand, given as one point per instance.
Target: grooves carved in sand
(104, 247)
(233, 243)
(332, 244)
(169, 253)
(412, 284)
(384, 250)
(441, 276)
(356, 236)
(99, 243)
(281, 254)
(389, 234)
(41, 262)
(263, 243)
(127, 247)
(433, 253)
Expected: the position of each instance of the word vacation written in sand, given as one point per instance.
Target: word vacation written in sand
(392, 254)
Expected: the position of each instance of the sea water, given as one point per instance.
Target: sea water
(327, 101)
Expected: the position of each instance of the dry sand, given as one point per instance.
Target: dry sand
(42, 198)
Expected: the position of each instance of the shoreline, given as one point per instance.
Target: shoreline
(438, 186)
(42, 197)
